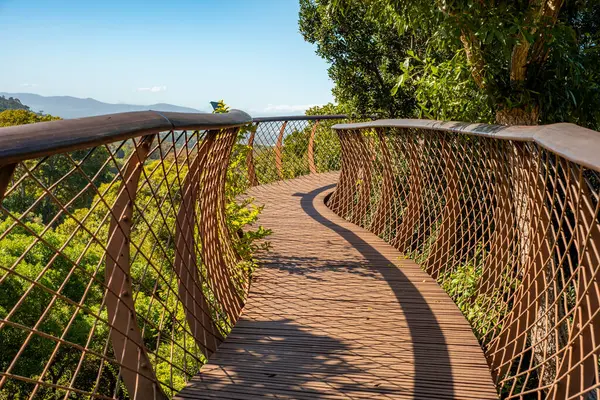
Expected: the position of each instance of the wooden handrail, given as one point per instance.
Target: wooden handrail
(573, 142)
(46, 138)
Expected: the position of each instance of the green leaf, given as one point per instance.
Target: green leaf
(572, 97)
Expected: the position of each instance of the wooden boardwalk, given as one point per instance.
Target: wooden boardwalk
(334, 312)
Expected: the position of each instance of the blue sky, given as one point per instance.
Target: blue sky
(184, 52)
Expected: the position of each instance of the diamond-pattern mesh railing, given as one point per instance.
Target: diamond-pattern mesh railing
(290, 147)
(118, 273)
(507, 219)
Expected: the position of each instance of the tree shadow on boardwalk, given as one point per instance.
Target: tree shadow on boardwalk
(310, 267)
(280, 359)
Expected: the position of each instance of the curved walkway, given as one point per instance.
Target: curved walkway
(335, 312)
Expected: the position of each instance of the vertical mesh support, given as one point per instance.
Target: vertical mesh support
(311, 149)
(413, 210)
(205, 332)
(279, 150)
(344, 190)
(509, 229)
(440, 255)
(214, 245)
(501, 240)
(252, 179)
(385, 203)
(579, 362)
(125, 334)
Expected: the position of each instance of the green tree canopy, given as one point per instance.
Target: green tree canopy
(524, 62)
(365, 56)
(21, 117)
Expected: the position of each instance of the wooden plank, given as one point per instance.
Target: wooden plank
(334, 312)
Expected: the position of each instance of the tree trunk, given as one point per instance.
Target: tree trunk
(472, 48)
(545, 336)
(518, 116)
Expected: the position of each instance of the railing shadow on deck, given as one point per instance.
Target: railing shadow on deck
(419, 315)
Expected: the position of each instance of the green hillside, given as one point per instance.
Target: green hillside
(11, 103)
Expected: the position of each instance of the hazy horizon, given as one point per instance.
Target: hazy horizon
(78, 107)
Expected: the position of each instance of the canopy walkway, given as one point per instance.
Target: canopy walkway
(335, 312)
(408, 259)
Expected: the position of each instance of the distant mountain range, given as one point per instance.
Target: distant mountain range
(74, 107)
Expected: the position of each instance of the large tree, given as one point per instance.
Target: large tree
(365, 56)
(526, 61)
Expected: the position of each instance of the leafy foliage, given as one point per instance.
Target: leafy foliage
(364, 54)
(328, 153)
(21, 117)
(462, 283)
(524, 62)
(444, 90)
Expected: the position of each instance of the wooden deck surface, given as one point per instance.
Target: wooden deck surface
(335, 312)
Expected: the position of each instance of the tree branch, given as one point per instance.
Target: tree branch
(473, 50)
(541, 14)
(547, 18)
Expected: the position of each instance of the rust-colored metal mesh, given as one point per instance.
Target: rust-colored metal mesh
(510, 230)
(284, 149)
(118, 273)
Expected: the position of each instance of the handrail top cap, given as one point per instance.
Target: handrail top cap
(278, 118)
(575, 143)
(23, 142)
(521, 133)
